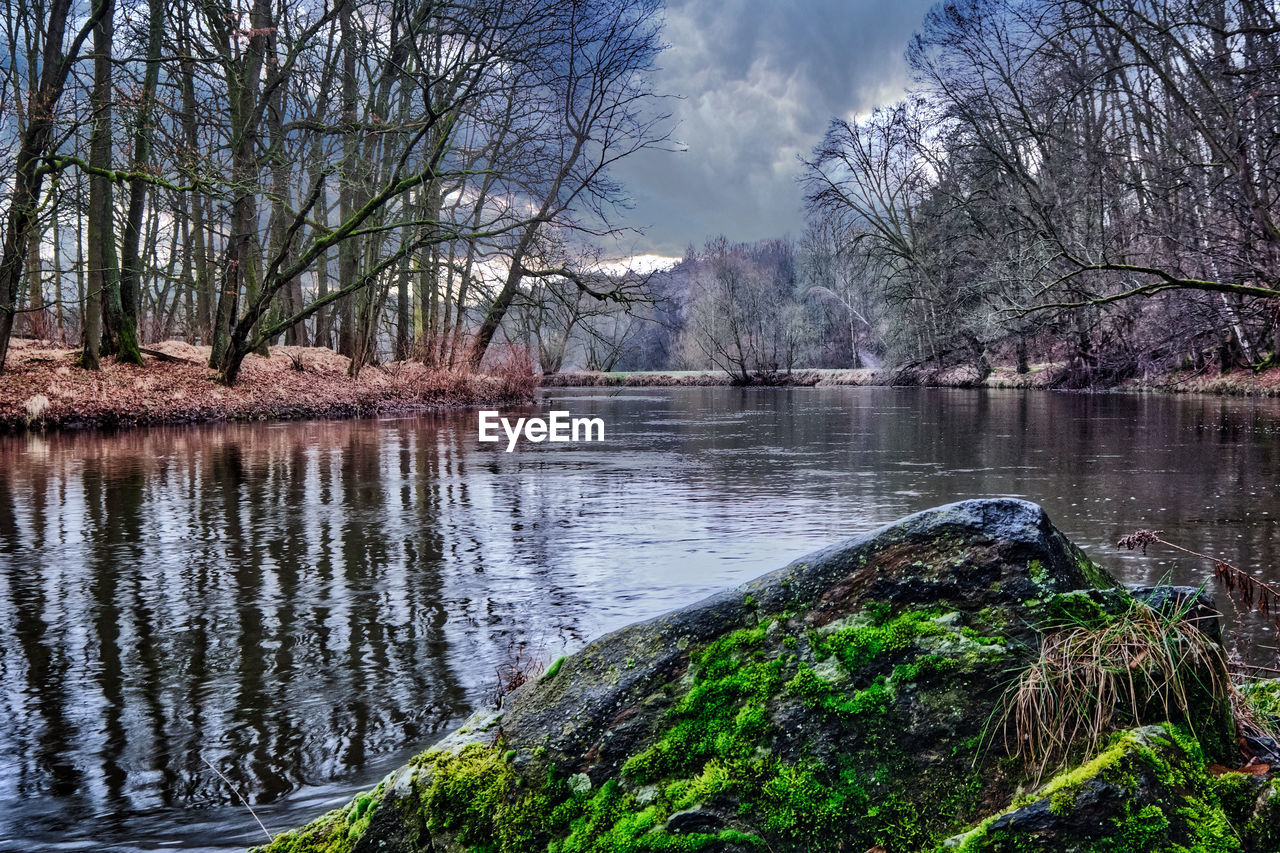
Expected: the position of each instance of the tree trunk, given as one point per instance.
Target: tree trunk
(243, 78)
(58, 320)
(493, 317)
(197, 252)
(130, 259)
(35, 288)
(281, 168)
(349, 250)
(87, 311)
(402, 314)
(103, 272)
(324, 334)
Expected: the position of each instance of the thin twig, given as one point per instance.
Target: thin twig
(1243, 665)
(240, 796)
(1251, 589)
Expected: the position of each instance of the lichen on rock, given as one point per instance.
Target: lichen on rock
(846, 701)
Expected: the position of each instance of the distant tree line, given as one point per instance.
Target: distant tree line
(342, 173)
(759, 310)
(1091, 182)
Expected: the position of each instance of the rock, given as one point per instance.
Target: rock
(695, 820)
(1191, 602)
(846, 701)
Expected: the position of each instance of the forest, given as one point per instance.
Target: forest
(1081, 184)
(383, 178)
(1088, 185)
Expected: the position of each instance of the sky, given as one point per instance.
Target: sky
(759, 80)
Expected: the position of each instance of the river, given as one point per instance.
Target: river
(285, 612)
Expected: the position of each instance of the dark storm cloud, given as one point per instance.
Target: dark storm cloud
(760, 80)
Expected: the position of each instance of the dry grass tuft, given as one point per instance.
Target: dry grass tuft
(1093, 679)
(37, 408)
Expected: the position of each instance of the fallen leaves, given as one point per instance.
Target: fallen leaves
(180, 389)
(1248, 769)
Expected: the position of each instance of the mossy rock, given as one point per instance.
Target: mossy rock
(845, 701)
(1149, 792)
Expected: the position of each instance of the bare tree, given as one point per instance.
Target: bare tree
(598, 85)
(36, 138)
(463, 134)
(738, 317)
(1060, 158)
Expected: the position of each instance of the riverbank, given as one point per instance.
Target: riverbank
(42, 388)
(1237, 383)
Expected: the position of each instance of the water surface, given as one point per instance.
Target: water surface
(302, 606)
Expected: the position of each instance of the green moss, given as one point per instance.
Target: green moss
(483, 802)
(1146, 828)
(1209, 829)
(855, 647)
(1261, 828)
(1237, 793)
(1093, 573)
(720, 744)
(1077, 608)
(721, 729)
(480, 797)
(981, 639)
(1063, 801)
(1263, 698)
(722, 715)
(998, 618)
(816, 692)
(335, 832)
(554, 668)
(612, 821)
(923, 667)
